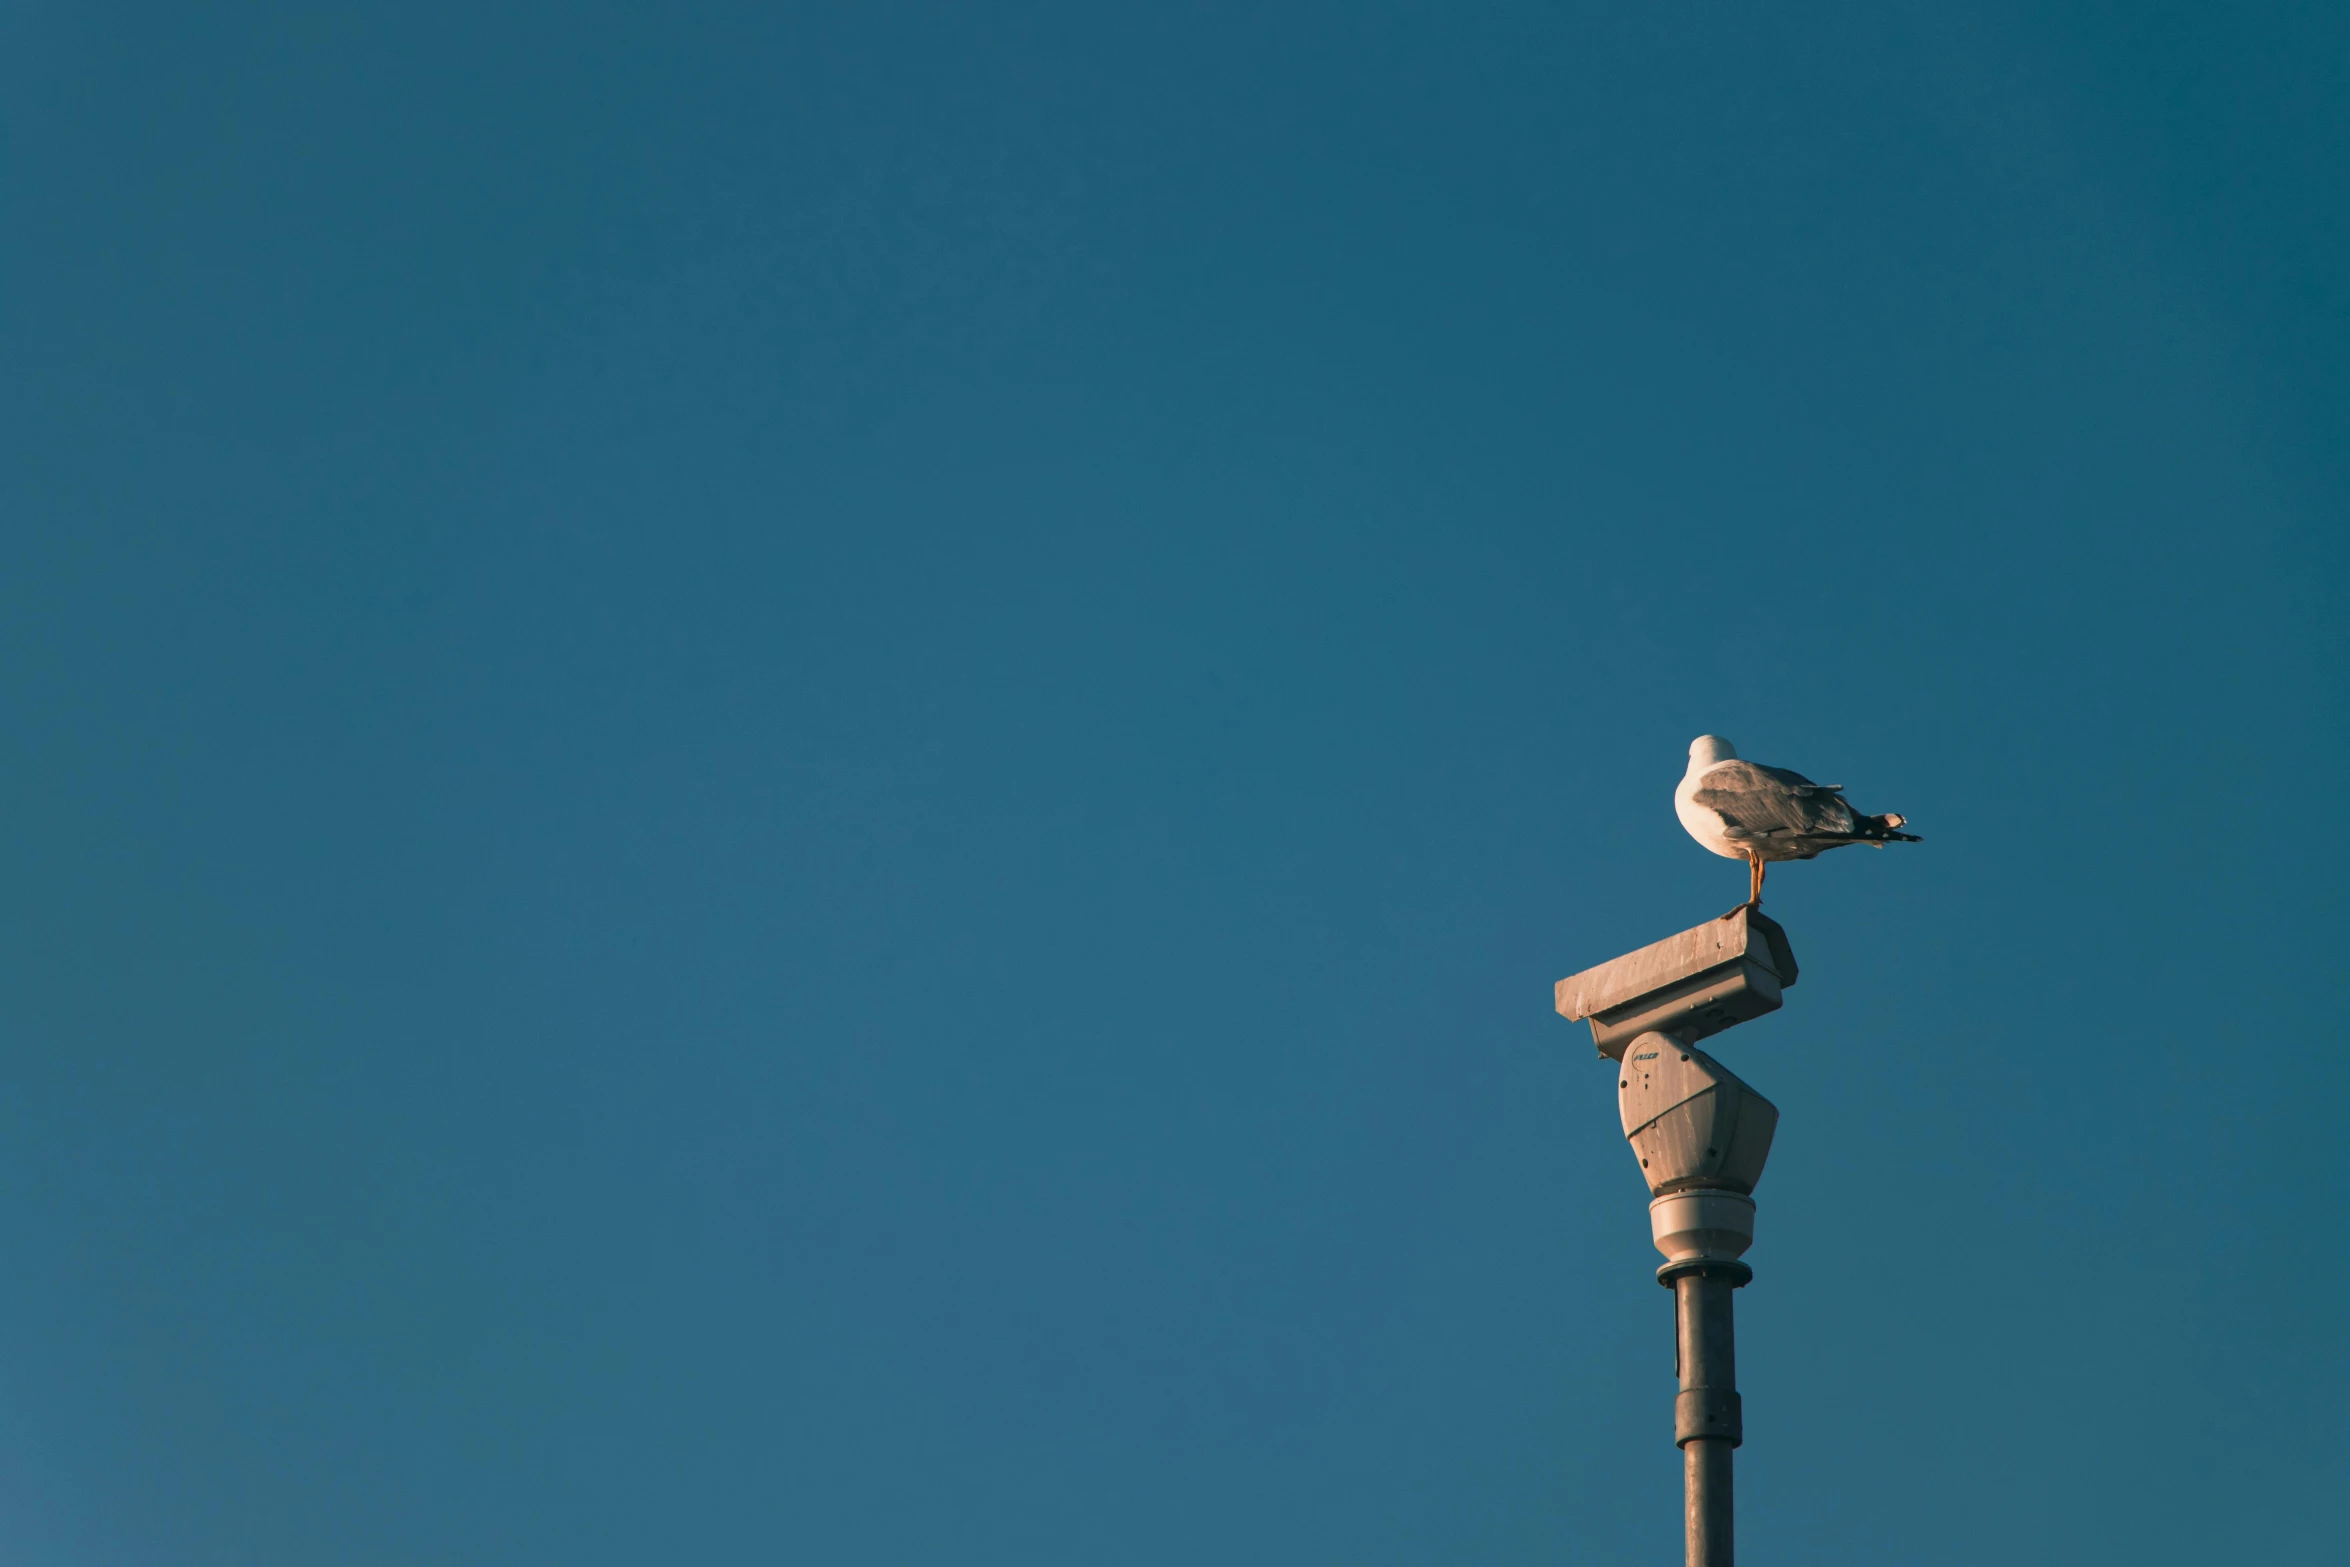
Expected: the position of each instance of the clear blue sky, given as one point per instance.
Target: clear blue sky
(799, 783)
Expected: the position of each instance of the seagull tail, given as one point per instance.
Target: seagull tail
(1882, 829)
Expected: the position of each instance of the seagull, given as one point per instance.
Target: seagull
(1743, 811)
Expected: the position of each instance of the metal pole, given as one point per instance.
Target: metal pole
(1706, 1418)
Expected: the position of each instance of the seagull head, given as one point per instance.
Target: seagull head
(1706, 750)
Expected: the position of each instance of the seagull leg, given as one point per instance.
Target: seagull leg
(1754, 876)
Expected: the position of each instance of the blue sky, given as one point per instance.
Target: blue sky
(800, 783)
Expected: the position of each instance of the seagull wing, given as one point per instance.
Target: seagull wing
(1771, 802)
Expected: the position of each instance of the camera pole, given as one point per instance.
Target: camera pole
(1709, 1372)
(1701, 1136)
(1707, 1420)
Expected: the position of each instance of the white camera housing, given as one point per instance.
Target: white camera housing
(1690, 1120)
(1697, 983)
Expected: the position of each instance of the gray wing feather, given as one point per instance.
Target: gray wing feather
(1771, 802)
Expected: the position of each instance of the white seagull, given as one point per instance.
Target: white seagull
(1742, 811)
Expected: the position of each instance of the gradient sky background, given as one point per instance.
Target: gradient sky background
(799, 783)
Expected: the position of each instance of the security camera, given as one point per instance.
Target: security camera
(1689, 986)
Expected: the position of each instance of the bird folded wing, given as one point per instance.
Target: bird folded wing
(1756, 802)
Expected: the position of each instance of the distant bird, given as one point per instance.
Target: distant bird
(1742, 811)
